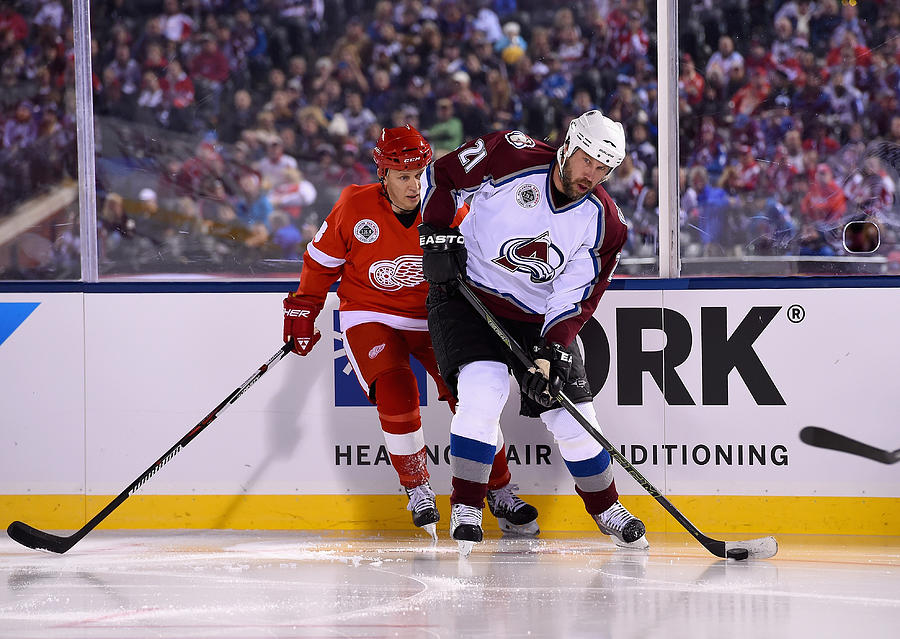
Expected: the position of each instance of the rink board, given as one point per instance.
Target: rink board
(98, 385)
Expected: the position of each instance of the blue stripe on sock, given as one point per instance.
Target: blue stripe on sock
(586, 468)
(472, 449)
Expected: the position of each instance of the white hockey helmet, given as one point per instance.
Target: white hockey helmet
(598, 136)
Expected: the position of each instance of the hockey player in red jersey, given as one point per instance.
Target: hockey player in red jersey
(370, 241)
(538, 246)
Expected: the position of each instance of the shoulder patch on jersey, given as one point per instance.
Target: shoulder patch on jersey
(366, 231)
(621, 215)
(528, 196)
(519, 140)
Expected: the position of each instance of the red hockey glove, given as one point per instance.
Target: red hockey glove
(300, 324)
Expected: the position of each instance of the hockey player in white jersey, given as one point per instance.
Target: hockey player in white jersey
(538, 247)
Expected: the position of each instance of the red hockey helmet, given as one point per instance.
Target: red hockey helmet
(401, 148)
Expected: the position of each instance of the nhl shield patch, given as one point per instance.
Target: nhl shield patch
(528, 196)
(366, 231)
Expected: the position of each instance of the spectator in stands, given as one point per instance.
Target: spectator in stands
(238, 118)
(751, 97)
(447, 133)
(469, 106)
(176, 25)
(150, 102)
(293, 195)
(21, 130)
(12, 22)
(197, 172)
(216, 206)
(126, 70)
(690, 83)
(350, 169)
(511, 37)
(254, 206)
(178, 96)
(631, 42)
(825, 201)
(285, 235)
(209, 71)
(277, 167)
(626, 183)
(358, 117)
(148, 204)
(709, 151)
(724, 58)
(710, 215)
(114, 223)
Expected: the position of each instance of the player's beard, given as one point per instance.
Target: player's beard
(569, 186)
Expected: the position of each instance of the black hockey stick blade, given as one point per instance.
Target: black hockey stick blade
(762, 548)
(31, 537)
(38, 539)
(824, 438)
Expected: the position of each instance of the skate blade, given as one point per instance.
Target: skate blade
(465, 547)
(431, 529)
(525, 530)
(638, 544)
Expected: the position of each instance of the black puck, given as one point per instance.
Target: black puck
(737, 553)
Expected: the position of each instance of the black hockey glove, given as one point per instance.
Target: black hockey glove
(550, 373)
(443, 254)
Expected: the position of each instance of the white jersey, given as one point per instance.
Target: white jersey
(531, 260)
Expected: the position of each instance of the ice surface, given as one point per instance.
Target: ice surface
(229, 584)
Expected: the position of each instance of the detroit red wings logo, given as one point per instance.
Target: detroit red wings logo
(537, 256)
(392, 275)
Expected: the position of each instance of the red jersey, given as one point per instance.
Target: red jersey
(377, 258)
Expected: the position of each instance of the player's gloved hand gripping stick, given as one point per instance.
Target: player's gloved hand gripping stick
(761, 548)
(40, 540)
(300, 324)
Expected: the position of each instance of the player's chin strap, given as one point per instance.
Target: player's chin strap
(761, 548)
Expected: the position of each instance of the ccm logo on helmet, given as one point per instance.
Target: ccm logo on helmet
(444, 240)
(296, 312)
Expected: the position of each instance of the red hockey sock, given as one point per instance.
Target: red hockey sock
(397, 400)
(500, 475)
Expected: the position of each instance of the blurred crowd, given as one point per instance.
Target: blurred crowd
(37, 99)
(227, 128)
(792, 130)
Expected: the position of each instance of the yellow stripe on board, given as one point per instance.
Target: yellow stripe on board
(711, 514)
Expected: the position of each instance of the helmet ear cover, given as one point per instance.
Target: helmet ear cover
(402, 148)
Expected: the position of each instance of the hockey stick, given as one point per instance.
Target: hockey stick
(761, 548)
(824, 438)
(40, 540)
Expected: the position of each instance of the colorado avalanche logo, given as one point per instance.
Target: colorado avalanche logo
(519, 140)
(537, 256)
(392, 275)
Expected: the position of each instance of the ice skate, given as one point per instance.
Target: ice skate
(624, 528)
(424, 510)
(465, 527)
(513, 515)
